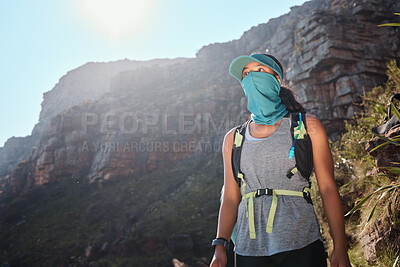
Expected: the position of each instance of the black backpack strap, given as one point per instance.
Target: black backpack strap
(238, 139)
(302, 146)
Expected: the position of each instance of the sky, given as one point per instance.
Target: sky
(41, 40)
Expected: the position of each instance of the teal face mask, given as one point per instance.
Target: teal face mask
(263, 101)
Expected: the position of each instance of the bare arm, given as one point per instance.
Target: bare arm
(230, 202)
(323, 166)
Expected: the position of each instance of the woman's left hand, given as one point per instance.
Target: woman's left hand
(340, 259)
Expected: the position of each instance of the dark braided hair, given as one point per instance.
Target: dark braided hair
(287, 94)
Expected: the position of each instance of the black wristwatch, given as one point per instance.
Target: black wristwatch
(220, 241)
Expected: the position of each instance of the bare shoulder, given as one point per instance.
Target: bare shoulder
(230, 133)
(228, 141)
(315, 128)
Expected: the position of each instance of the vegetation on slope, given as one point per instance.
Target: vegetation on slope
(371, 195)
(135, 221)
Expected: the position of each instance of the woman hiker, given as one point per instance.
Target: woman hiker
(264, 196)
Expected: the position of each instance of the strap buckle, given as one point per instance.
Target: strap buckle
(264, 191)
(291, 172)
(307, 196)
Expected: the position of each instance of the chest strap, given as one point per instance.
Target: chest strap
(274, 193)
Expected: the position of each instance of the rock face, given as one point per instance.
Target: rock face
(85, 83)
(383, 235)
(15, 150)
(128, 119)
(342, 58)
(118, 119)
(332, 51)
(88, 82)
(372, 241)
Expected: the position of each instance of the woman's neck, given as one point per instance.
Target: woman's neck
(263, 130)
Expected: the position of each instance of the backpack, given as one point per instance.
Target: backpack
(390, 121)
(301, 147)
(302, 151)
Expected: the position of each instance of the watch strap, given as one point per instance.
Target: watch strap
(220, 241)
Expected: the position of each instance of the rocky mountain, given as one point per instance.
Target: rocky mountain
(105, 124)
(87, 82)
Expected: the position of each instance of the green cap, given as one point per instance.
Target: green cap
(239, 63)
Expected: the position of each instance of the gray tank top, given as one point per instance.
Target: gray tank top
(264, 163)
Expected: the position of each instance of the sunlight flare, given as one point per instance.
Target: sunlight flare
(117, 18)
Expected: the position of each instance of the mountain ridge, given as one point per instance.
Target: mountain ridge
(125, 122)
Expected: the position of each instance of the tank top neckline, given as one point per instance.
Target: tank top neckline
(250, 138)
